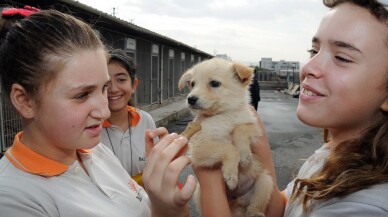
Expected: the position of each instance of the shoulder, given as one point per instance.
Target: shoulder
(144, 114)
(146, 118)
(370, 202)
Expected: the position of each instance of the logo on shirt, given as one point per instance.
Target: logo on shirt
(144, 159)
(133, 187)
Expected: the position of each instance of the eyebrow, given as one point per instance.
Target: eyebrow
(340, 44)
(82, 88)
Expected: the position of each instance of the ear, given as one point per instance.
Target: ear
(244, 73)
(134, 84)
(184, 79)
(22, 101)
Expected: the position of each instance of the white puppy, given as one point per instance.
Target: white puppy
(219, 97)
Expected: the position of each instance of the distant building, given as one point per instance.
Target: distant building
(279, 66)
(288, 70)
(224, 56)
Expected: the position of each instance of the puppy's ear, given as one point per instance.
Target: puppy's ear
(186, 77)
(244, 73)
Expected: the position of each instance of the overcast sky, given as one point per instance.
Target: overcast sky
(245, 30)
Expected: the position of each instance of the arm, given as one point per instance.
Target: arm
(213, 195)
(161, 175)
(276, 205)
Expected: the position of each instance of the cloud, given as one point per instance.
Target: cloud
(246, 30)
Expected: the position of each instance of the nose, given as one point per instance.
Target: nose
(192, 100)
(112, 86)
(314, 67)
(101, 109)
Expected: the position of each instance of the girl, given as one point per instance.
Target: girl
(125, 129)
(56, 166)
(344, 90)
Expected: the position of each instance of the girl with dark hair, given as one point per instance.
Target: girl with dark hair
(125, 129)
(344, 90)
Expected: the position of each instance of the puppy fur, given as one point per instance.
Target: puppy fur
(219, 97)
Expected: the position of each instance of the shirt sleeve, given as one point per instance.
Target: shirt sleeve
(346, 209)
(13, 204)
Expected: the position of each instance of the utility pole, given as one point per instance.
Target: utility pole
(114, 11)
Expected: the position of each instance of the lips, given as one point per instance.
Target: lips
(115, 97)
(94, 129)
(309, 91)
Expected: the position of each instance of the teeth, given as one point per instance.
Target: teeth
(114, 97)
(309, 93)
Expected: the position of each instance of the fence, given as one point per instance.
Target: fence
(10, 122)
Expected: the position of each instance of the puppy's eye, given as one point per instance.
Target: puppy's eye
(214, 83)
(192, 83)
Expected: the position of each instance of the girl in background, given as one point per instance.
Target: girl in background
(124, 131)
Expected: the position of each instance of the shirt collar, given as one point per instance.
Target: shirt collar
(135, 117)
(25, 159)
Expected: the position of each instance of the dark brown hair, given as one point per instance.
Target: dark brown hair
(357, 163)
(34, 49)
(119, 56)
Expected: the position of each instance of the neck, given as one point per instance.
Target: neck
(120, 119)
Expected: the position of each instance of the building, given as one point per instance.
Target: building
(224, 56)
(284, 69)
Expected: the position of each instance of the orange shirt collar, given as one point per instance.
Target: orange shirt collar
(135, 117)
(25, 159)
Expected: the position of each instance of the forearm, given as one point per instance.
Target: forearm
(213, 195)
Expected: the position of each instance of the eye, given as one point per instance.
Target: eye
(312, 52)
(81, 96)
(214, 83)
(341, 59)
(191, 84)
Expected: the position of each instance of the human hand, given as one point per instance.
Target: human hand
(161, 174)
(152, 136)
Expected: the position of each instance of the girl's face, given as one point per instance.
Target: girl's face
(344, 82)
(72, 107)
(120, 88)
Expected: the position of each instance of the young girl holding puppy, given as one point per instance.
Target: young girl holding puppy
(56, 165)
(344, 89)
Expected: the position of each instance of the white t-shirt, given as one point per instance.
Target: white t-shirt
(33, 185)
(370, 202)
(129, 146)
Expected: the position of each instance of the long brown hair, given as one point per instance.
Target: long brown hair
(357, 163)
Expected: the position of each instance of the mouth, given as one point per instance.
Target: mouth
(115, 97)
(309, 91)
(94, 129)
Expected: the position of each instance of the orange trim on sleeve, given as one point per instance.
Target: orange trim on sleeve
(135, 117)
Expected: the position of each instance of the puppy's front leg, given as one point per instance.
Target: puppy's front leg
(242, 138)
(212, 154)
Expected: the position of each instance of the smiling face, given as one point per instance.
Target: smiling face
(344, 82)
(71, 107)
(121, 87)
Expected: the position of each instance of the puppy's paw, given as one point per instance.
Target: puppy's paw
(231, 180)
(245, 158)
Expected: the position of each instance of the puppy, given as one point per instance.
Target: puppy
(219, 97)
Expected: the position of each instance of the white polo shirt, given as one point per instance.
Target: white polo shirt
(129, 146)
(369, 202)
(33, 185)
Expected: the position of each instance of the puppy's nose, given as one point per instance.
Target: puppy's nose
(192, 100)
